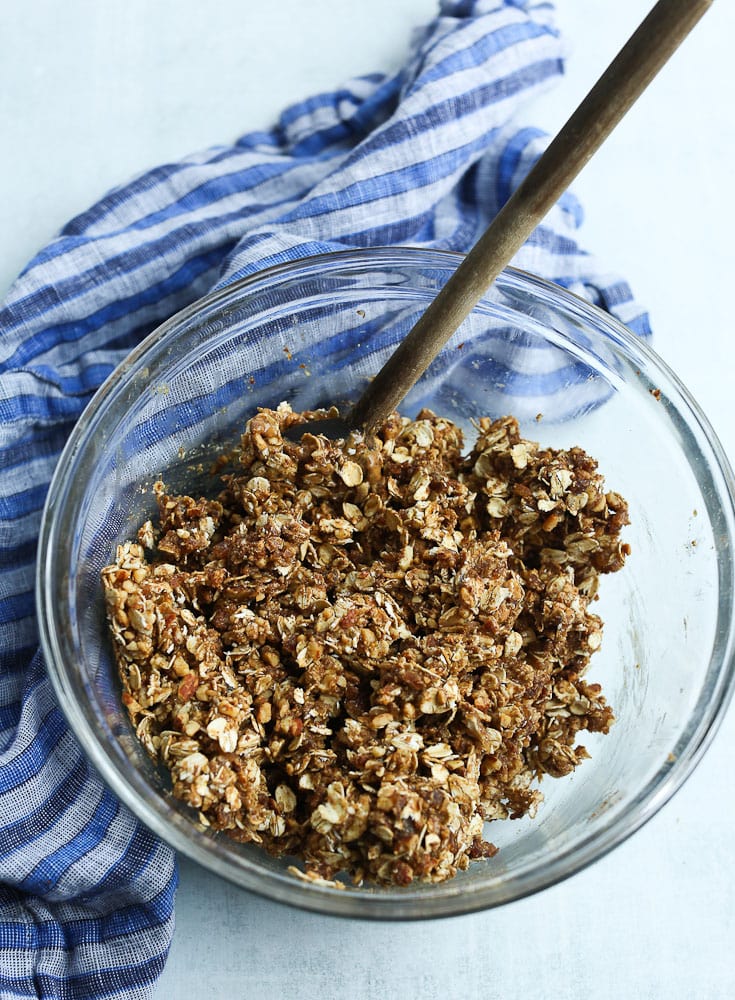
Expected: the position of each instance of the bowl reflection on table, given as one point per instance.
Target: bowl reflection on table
(313, 332)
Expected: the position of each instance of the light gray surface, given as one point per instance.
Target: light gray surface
(93, 92)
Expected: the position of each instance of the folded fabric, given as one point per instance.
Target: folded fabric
(425, 157)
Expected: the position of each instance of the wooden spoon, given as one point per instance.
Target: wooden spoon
(625, 79)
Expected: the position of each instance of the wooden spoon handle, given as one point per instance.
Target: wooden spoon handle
(620, 85)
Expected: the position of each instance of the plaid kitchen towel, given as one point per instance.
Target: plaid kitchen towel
(425, 157)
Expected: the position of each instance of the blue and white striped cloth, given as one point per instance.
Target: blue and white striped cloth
(425, 158)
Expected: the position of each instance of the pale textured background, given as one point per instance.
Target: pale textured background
(92, 92)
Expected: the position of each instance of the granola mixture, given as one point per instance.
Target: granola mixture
(360, 652)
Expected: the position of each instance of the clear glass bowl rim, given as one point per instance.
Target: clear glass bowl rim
(444, 899)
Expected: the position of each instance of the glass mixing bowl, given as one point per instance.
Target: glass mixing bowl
(312, 332)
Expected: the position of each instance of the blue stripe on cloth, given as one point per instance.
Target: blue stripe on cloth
(372, 110)
(425, 157)
(395, 232)
(106, 983)
(21, 503)
(70, 331)
(52, 729)
(508, 163)
(307, 108)
(34, 409)
(153, 181)
(50, 869)
(16, 661)
(9, 717)
(15, 457)
(487, 46)
(94, 281)
(364, 193)
(25, 830)
(47, 935)
(24, 552)
(16, 606)
(450, 110)
(202, 194)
